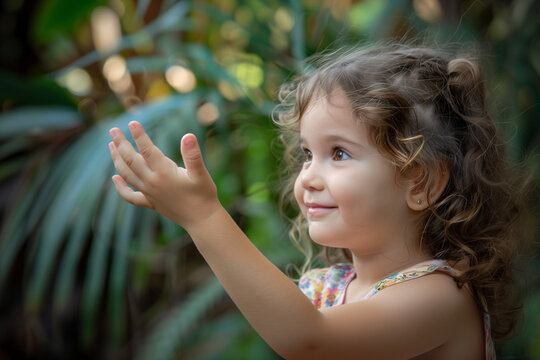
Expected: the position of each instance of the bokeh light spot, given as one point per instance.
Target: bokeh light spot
(248, 74)
(181, 79)
(106, 30)
(77, 81)
(428, 10)
(229, 91)
(207, 113)
(114, 68)
(284, 19)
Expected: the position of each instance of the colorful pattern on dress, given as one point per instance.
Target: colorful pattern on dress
(490, 346)
(411, 273)
(326, 287)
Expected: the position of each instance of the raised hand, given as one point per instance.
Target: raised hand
(184, 195)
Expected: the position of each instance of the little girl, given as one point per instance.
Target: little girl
(396, 162)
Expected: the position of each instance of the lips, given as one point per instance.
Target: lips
(316, 209)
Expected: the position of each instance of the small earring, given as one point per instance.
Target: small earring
(419, 201)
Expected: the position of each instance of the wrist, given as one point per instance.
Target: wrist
(207, 220)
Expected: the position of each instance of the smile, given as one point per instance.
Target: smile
(314, 209)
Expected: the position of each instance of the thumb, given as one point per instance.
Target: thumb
(191, 154)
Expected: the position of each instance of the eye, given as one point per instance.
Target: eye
(308, 155)
(340, 154)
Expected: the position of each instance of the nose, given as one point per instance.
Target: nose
(310, 178)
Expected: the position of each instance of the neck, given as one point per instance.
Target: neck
(398, 248)
(370, 269)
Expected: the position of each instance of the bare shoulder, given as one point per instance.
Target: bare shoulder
(450, 313)
(437, 290)
(435, 296)
(427, 316)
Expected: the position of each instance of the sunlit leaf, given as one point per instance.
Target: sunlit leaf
(170, 20)
(362, 14)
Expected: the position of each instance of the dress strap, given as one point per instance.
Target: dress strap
(416, 271)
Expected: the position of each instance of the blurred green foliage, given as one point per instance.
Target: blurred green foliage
(85, 275)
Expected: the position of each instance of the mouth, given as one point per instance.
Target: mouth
(315, 209)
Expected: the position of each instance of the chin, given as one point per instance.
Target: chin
(326, 238)
(335, 239)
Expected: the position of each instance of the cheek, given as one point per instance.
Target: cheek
(299, 193)
(376, 199)
(364, 196)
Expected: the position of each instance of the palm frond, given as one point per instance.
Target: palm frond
(170, 334)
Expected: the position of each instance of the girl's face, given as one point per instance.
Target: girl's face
(346, 190)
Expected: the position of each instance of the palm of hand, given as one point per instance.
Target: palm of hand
(184, 195)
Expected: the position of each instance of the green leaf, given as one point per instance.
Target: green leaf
(97, 264)
(143, 64)
(74, 247)
(119, 269)
(17, 225)
(87, 168)
(298, 43)
(172, 19)
(141, 247)
(14, 145)
(37, 91)
(61, 16)
(171, 333)
(11, 166)
(65, 201)
(36, 120)
(361, 15)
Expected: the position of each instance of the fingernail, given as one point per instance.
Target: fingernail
(132, 126)
(113, 133)
(190, 141)
(111, 146)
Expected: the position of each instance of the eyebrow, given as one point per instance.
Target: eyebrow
(338, 139)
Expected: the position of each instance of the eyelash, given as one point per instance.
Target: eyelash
(342, 153)
(338, 154)
(308, 155)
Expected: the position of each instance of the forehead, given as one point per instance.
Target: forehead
(334, 106)
(331, 116)
(323, 98)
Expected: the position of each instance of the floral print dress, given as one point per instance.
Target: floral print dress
(326, 287)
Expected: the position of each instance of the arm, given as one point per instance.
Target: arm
(275, 307)
(189, 198)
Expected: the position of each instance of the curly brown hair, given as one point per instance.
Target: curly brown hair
(426, 110)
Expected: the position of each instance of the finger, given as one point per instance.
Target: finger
(191, 154)
(132, 197)
(129, 155)
(148, 150)
(123, 169)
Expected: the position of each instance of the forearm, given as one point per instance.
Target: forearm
(271, 302)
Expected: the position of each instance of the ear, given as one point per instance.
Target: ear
(426, 188)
